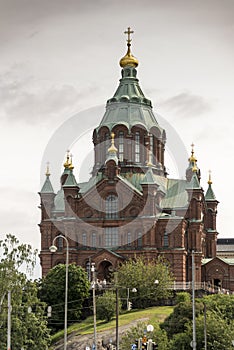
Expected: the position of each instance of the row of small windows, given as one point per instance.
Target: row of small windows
(137, 146)
(111, 238)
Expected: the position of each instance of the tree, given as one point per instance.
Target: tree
(29, 329)
(52, 291)
(151, 279)
(106, 306)
(219, 324)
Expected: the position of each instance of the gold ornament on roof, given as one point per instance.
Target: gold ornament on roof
(209, 181)
(192, 158)
(67, 163)
(47, 169)
(71, 166)
(128, 59)
(112, 147)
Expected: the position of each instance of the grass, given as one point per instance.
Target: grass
(154, 315)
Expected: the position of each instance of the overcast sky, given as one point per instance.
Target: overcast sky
(59, 59)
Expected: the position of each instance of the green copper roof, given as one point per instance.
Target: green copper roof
(210, 196)
(47, 187)
(59, 204)
(194, 183)
(70, 180)
(149, 178)
(129, 106)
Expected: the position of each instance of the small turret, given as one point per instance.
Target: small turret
(112, 162)
(192, 166)
(47, 196)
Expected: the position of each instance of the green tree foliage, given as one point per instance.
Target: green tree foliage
(220, 327)
(106, 306)
(29, 325)
(142, 275)
(52, 291)
(134, 333)
(177, 321)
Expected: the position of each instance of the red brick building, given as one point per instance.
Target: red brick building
(129, 206)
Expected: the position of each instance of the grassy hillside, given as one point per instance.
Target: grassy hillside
(153, 314)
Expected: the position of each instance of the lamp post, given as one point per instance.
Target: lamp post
(94, 308)
(194, 343)
(53, 249)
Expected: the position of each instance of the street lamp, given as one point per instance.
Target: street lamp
(53, 249)
(94, 307)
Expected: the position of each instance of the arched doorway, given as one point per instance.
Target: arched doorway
(105, 271)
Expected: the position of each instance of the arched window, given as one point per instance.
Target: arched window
(107, 143)
(94, 239)
(151, 148)
(129, 238)
(111, 207)
(137, 147)
(139, 239)
(165, 240)
(121, 146)
(84, 238)
(60, 243)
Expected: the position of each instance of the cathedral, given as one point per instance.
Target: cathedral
(129, 207)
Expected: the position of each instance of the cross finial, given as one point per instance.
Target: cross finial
(129, 32)
(47, 169)
(209, 180)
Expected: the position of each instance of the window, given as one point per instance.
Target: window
(129, 238)
(165, 240)
(60, 243)
(94, 239)
(84, 238)
(111, 237)
(111, 207)
(139, 239)
(137, 147)
(121, 146)
(151, 149)
(106, 143)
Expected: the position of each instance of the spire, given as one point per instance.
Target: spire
(192, 158)
(112, 151)
(128, 59)
(210, 196)
(67, 164)
(47, 187)
(71, 166)
(192, 167)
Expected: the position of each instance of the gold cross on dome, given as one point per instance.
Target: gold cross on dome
(129, 32)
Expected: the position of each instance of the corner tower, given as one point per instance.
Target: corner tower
(129, 114)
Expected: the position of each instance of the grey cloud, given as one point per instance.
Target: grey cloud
(24, 99)
(186, 105)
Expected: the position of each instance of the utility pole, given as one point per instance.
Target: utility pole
(205, 331)
(94, 308)
(193, 302)
(117, 318)
(9, 321)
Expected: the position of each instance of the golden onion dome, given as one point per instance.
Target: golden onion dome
(128, 59)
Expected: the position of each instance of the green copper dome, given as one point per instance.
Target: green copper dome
(129, 106)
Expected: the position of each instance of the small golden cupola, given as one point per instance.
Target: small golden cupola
(192, 168)
(128, 59)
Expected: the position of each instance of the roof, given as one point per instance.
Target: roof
(129, 106)
(47, 187)
(225, 260)
(70, 180)
(210, 196)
